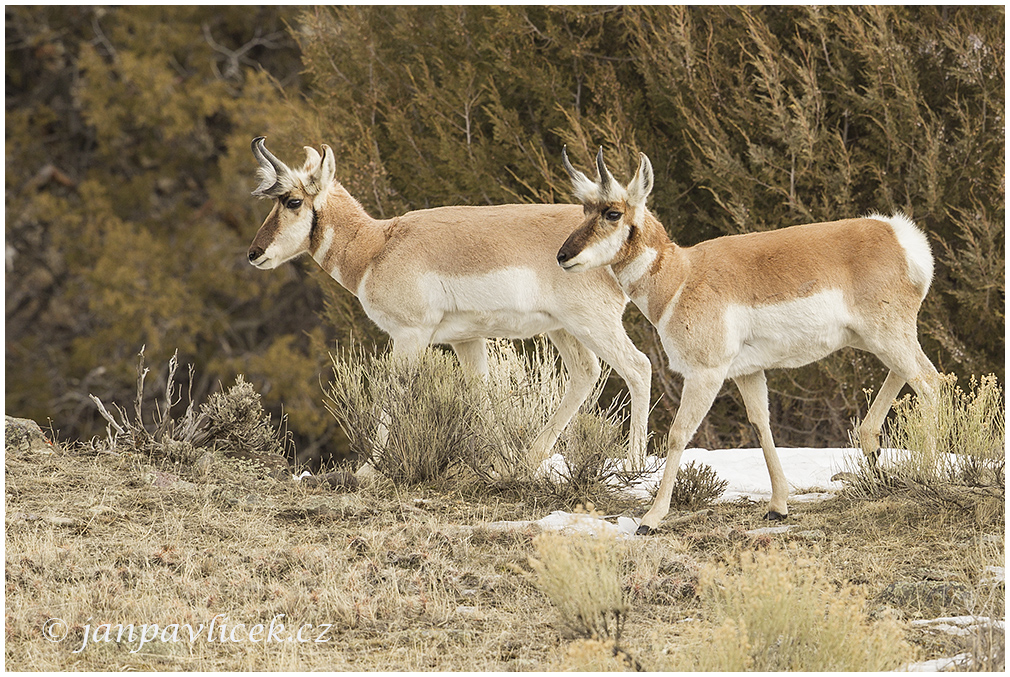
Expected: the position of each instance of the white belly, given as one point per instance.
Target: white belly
(505, 303)
(501, 324)
(789, 334)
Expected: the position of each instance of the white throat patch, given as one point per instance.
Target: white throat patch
(639, 266)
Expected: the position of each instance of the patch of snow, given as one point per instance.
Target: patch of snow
(939, 664)
(809, 471)
(559, 520)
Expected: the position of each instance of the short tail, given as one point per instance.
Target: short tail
(918, 253)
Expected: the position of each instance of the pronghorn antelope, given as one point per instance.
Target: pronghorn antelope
(458, 275)
(735, 306)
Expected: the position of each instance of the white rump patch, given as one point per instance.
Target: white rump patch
(918, 253)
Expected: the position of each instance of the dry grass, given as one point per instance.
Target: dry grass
(398, 579)
(582, 576)
(955, 450)
(422, 420)
(407, 577)
(776, 611)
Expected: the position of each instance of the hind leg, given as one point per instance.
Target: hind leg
(908, 364)
(869, 429)
(583, 371)
(612, 344)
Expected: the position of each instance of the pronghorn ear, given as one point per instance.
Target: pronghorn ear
(312, 160)
(329, 167)
(321, 170)
(641, 183)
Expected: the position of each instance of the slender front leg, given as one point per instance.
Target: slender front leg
(754, 389)
(407, 345)
(696, 399)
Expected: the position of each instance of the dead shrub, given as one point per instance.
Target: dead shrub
(696, 487)
(233, 420)
(422, 418)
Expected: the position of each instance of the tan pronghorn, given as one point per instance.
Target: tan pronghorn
(735, 306)
(458, 275)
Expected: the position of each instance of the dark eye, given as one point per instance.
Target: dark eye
(293, 204)
(613, 215)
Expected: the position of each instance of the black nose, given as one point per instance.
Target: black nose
(255, 253)
(562, 256)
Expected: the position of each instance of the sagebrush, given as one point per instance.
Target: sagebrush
(421, 418)
(778, 611)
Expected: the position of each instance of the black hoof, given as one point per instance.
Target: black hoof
(775, 516)
(643, 531)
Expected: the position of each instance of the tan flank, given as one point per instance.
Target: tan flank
(735, 306)
(458, 275)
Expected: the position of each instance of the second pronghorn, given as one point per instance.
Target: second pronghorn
(735, 306)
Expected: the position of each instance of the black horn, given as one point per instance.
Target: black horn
(271, 169)
(605, 176)
(568, 165)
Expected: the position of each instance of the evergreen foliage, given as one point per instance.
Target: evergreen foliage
(128, 172)
(754, 118)
(128, 212)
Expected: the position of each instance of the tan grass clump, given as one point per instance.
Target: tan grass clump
(951, 454)
(422, 418)
(773, 612)
(414, 417)
(523, 388)
(582, 576)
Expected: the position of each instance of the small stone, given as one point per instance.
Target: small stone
(24, 436)
(338, 481)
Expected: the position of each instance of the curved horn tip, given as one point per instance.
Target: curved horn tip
(601, 167)
(567, 164)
